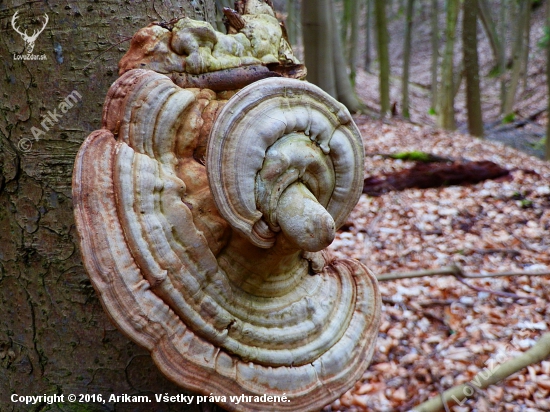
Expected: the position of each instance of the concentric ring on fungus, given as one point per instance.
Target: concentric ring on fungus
(215, 266)
(254, 120)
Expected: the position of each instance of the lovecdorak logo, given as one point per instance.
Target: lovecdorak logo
(29, 39)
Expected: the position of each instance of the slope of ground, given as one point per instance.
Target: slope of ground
(437, 332)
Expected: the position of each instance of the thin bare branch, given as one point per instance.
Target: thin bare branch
(454, 271)
(458, 393)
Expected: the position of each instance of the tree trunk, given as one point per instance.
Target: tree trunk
(445, 112)
(345, 92)
(54, 335)
(292, 21)
(490, 29)
(316, 23)
(526, 45)
(407, 58)
(502, 62)
(353, 39)
(471, 67)
(383, 55)
(368, 41)
(435, 53)
(346, 24)
(324, 53)
(517, 61)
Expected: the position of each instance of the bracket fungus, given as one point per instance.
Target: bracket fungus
(203, 216)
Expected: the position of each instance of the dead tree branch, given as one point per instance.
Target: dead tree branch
(454, 271)
(458, 393)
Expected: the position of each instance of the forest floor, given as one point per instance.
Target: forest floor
(436, 332)
(440, 331)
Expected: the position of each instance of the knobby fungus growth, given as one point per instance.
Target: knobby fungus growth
(204, 214)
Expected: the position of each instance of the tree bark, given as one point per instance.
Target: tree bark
(368, 41)
(517, 64)
(407, 58)
(54, 335)
(435, 53)
(353, 39)
(324, 53)
(345, 91)
(445, 112)
(502, 62)
(316, 23)
(526, 45)
(471, 67)
(490, 29)
(292, 21)
(383, 55)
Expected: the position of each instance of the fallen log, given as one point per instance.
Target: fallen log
(428, 175)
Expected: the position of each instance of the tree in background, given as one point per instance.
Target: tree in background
(517, 54)
(292, 19)
(350, 34)
(324, 54)
(368, 19)
(316, 23)
(407, 58)
(382, 39)
(471, 67)
(445, 111)
(496, 42)
(502, 58)
(526, 42)
(435, 54)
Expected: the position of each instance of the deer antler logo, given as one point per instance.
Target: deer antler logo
(29, 40)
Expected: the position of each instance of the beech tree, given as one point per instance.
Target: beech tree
(471, 67)
(368, 41)
(486, 18)
(382, 39)
(324, 54)
(445, 111)
(54, 335)
(350, 34)
(407, 58)
(435, 53)
(517, 54)
(292, 19)
(502, 62)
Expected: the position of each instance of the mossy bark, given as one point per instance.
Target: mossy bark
(55, 337)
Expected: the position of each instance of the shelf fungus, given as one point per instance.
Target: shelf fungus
(203, 219)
